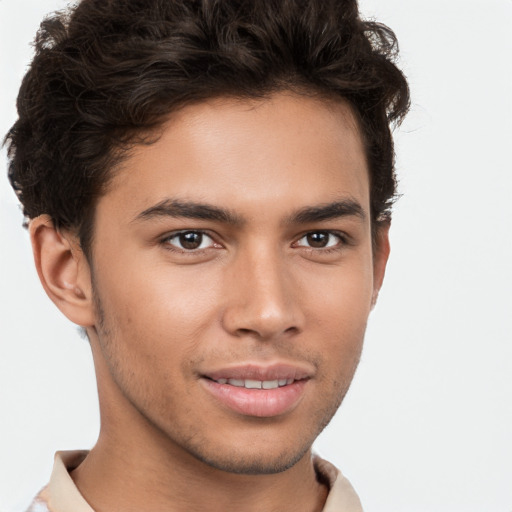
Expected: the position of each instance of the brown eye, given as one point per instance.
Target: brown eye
(190, 240)
(320, 240)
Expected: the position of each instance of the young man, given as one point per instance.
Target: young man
(208, 188)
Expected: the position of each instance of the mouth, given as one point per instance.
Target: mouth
(255, 384)
(261, 391)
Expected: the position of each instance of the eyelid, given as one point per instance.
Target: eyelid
(165, 240)
(343, 238)
(342, 244)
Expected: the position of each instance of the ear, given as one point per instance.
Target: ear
(381, 250)
(63, 270)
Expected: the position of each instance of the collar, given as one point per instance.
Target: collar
(61, 494)
(342, 497)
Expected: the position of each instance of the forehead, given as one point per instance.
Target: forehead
(248, 154)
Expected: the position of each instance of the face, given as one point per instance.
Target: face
(233, 274)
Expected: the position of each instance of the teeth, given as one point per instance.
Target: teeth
(269, 384)
(253, 384)
(236, 382)
(256, 384)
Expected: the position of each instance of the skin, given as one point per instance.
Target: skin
(258, 291)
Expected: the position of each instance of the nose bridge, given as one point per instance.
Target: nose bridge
(261, 297)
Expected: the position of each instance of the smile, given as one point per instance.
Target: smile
(258, 390)
(256, 384)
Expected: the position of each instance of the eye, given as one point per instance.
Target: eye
(320, 240)
(190, 240)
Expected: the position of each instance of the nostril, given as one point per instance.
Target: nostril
(264, 334)
(246, 331)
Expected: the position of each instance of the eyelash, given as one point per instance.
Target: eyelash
(342, 241)
(166, 241)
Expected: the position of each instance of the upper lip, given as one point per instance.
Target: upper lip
(262, 372)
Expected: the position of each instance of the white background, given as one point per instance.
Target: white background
(427, 425)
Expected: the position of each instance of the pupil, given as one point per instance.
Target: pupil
(191, 240)
(318, 239)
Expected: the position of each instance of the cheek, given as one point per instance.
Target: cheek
(160, 303)
(342, 298)
(150, 327)
(339, 312)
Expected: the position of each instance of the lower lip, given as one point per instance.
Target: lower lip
(263, 403)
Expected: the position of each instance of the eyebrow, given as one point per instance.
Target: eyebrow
(329, 211)
(189, 210)
(192, 210)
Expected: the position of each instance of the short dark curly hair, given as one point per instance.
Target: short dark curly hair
(106, 73)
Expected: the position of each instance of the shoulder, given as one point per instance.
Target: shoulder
(342, 495)
(61, 494)
(40, 503)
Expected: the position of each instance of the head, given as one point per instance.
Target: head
(106, 75)
(211, 183)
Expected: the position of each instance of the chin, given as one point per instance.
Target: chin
(252, 464)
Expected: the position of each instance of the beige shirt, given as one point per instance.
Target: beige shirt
(61, 494)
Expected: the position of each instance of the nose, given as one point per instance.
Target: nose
(262, 299)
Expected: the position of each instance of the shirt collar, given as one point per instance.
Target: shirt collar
(342, 497)
(61, 494)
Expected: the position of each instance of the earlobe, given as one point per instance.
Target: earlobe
(63, 270)
(380, 257)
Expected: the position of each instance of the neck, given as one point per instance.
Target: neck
(135, 466)
(173, 484)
